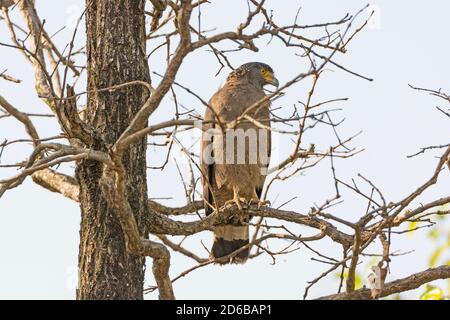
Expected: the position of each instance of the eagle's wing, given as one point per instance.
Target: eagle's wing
(207, 167)
(264, 117)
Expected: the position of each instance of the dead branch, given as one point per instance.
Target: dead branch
(409, 283)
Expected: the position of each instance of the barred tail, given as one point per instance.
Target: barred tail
(228, 239)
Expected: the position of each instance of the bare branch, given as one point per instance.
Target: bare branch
(409, 283)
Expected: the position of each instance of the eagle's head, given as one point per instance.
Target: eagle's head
(257, 73)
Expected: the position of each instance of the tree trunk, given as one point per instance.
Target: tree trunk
(116, 55)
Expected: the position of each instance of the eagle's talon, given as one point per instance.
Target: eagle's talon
(264, 203)
(259, 203)
(235, 202)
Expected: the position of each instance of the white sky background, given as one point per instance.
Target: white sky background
(406, 43)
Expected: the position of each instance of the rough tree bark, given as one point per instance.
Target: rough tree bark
(116, 55)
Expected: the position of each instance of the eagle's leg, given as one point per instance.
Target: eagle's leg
(260, 203)
(237, 200)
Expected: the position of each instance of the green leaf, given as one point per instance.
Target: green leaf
(437, 254)
(373, 261)
(358, 279)
(434, 233)
(358, 282)
(411, 227)
(431, 293)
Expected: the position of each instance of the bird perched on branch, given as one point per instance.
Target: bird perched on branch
(235, 154)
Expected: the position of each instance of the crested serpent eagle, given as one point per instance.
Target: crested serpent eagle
(235, 154)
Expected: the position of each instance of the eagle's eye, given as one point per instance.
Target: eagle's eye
(263, 71)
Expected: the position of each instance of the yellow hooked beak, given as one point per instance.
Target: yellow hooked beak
(270, 79)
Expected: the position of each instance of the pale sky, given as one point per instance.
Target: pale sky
(405, 43)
